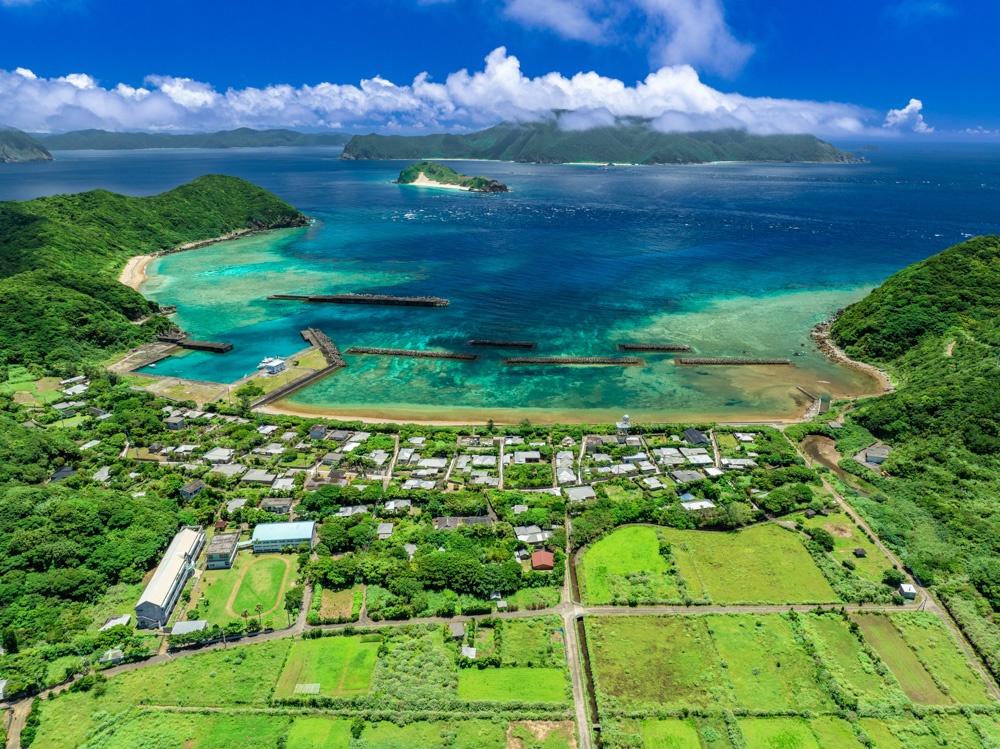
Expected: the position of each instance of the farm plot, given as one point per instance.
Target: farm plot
(460, 734)
(762, 564)
(847, 537)
(845, 657)
(626, 564)
(931, 732)
(193, 731)
(663, 661)
(542, 734)
(769, 670)
(532, 642)
(328, 666)
(339, 604)
(942, 656)
(670, 734)
(319, 733)
(778, 733)
(882, 635)
(503, 684)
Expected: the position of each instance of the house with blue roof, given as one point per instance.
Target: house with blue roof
(270, 537)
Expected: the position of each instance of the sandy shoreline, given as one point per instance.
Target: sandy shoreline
(422, 181)
(133, 274)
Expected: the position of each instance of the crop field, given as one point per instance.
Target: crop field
(779, 733)
(670, 734)
(762, 564)
(531, 642)
(931, 732)
(193, 731)
(883, 636)
(847, 537)
(678, 667)
(502, 684)
(342, 666)
(240, 675)
(943, 657)
(768, 668)
(626, 564)
(843, 654)
(319, 733)
(338, 603)
(465, 734)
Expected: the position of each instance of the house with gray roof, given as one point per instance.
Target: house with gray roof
(579, 493)
(384, 531)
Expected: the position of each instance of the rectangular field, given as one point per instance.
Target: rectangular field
(663, 661)
(193, 731)
(342, 666)
(670, 734)
(762, 564)
(319, 733)
(883, 636)
(778, 733)
(843, 654)
(503, 684)
(769, 670)
(625, 564)
(531, 642)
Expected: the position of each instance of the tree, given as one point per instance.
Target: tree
(9, 641)
(259, 608)
(893, 577)
(245, 614)
(734, 515)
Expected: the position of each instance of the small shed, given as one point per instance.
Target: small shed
(192, 489)
(542, 560)
(877, 454)
(468, 652)
(457, 630)
(860, 553)
(907, 591)
(220, 526)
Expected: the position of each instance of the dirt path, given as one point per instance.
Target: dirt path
(239, 583)
(951, 347)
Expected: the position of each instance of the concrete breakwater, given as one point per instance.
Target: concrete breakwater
(327, 347)
(410, 353)
(619, 361)
(729, 362)
(653, 347)
(503, 344)
(215, 348)
(379, 299)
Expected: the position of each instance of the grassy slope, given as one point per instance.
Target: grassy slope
(60, 302)
(17, 146)
(629, 141)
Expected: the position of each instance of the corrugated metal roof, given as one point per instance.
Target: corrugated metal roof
(284, 531)
(171, 565)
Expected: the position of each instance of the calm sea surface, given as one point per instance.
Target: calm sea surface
(727, 258)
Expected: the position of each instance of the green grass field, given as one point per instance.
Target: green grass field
(667, 661)
(535, 598)
(466, 734)
(832, 733)
(624, 564)
(670, 734)
(769, 670)
(193, 731)
(530, 642)
(942, 655)
(883, 636)
(778, 733)
(239, 675)
(502, 684)
(217, 587)
(930, 733)
(842, 653)
(319, 733)
(847, 537)
(342, 666)
(762, 564)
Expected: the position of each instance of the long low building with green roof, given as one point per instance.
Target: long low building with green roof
(278, 536)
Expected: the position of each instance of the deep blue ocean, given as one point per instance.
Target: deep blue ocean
(726, 257)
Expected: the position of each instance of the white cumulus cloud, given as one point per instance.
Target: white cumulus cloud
(673, 97)
(908, 119)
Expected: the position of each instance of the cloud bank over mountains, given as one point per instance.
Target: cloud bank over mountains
(673, 97)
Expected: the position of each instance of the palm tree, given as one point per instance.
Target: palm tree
(259, 608)
(245, 614)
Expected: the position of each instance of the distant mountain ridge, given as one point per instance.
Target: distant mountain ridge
(244, 137)
(630, 141)
(16, 146)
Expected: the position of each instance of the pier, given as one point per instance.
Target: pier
(503, 344)
(327, 347)
(730, 362)
(379, 299)
(412, 354)
(607, 361)
(653, 347)
(184, 342)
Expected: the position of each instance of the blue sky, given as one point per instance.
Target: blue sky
(837, 68)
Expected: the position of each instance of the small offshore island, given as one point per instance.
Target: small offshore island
(432, 174)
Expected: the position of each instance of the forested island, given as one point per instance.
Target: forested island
(16, 146)
(630, 141)
(244, 137)
(61, 306)
(432, 174)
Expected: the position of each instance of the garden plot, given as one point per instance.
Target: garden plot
(340, 666)
(627, 564)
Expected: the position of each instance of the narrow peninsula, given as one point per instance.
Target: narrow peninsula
(432, 174)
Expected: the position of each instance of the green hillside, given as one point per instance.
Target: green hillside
(447, 176)
(17, 146)
(60, 302)
(630, 141)
(244, 137)
(936, 325)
